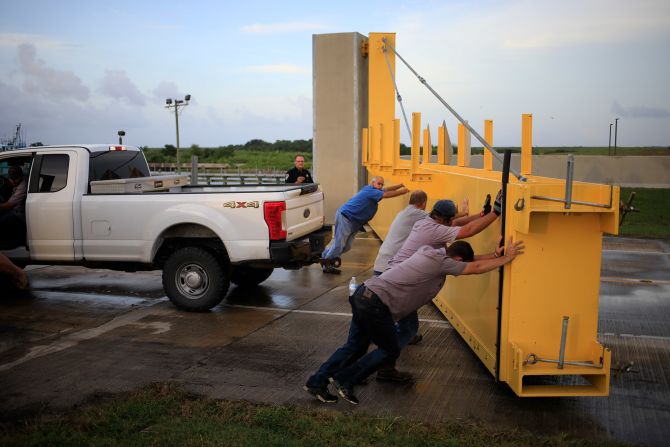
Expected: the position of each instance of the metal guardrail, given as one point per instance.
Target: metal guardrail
(217, 175)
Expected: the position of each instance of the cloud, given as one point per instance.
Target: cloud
(55, 83)
(536, 25)
(289, 27)
(167, 89)
(276, 68)
(13, 40)
(117, 85)
(525, 25)
(70, 122)
(639, 111)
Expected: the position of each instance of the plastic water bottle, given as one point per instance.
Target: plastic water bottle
(352, 285)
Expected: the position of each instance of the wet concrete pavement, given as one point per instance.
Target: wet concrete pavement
(91, 332)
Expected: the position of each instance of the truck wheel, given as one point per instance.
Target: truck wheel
(194, 279)
(245, 276)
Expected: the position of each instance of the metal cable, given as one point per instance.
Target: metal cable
(465, 123)
(397, 92)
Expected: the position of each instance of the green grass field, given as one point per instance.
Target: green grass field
(278, 156)
(163, 415)
(653, 220)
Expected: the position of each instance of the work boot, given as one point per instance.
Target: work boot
(416, 339)
(332, 270)
(393, 375)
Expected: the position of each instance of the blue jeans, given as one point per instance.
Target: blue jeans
(377, 326)
(345, 232)
(407, 327)
(355, 347)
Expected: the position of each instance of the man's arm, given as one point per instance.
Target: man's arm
(494, 254)
(461, 221)
(486, 265)
(393, 187)
(476, 226)
(394, 191)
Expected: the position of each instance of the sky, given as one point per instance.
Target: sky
(78, 71)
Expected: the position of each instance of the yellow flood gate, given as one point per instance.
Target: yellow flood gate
(535, 324)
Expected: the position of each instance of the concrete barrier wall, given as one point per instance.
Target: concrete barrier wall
(631, 171)
(340, 76)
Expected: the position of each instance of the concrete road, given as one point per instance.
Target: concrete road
(91, 332)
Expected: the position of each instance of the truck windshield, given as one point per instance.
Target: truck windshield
(114, 165)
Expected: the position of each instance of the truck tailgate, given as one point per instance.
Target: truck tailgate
(304, 213)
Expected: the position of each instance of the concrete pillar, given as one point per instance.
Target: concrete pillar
(340, 79)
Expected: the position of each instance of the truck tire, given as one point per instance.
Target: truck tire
(245, 276)
(194, 279)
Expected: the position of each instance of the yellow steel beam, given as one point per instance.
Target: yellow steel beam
(416, 142)
(526, 144)
(488, 136)
(463, 146)
(427, 145)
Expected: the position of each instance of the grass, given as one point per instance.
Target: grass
(653, 220)
(164, 415)
(259, 155)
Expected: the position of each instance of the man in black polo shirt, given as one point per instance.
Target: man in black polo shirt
(299, 174)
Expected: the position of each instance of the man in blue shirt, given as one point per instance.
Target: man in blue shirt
(351, 217)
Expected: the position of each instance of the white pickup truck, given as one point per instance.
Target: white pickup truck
(97, 206)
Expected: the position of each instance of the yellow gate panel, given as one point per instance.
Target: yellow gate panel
(537, 329)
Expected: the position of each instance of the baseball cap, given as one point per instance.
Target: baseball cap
(445, 208)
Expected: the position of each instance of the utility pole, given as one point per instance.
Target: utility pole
(609, 145)
(616, 122)
(176, 104)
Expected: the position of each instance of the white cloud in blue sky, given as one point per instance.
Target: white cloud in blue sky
(78, 71)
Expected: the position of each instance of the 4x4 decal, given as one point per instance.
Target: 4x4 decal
(233, 204)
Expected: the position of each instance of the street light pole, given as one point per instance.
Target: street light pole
(609, 145)
(176, 104)
(616, 122)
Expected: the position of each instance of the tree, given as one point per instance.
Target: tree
(170, 151)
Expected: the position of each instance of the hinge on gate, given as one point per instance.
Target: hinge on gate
(365, 49)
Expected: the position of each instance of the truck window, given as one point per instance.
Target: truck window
(53, 172)
(114, 165)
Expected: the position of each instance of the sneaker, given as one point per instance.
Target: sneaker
(321, 393)
(344, 392)
(393, 375)
(332, 270)
(416, 339)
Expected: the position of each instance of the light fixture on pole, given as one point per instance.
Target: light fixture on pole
(616, 122)
(121, 134)
(609, 146)
(176, 104)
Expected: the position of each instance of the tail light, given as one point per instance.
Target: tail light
(273, 212)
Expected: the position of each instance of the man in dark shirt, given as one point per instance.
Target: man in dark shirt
(298, 174)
